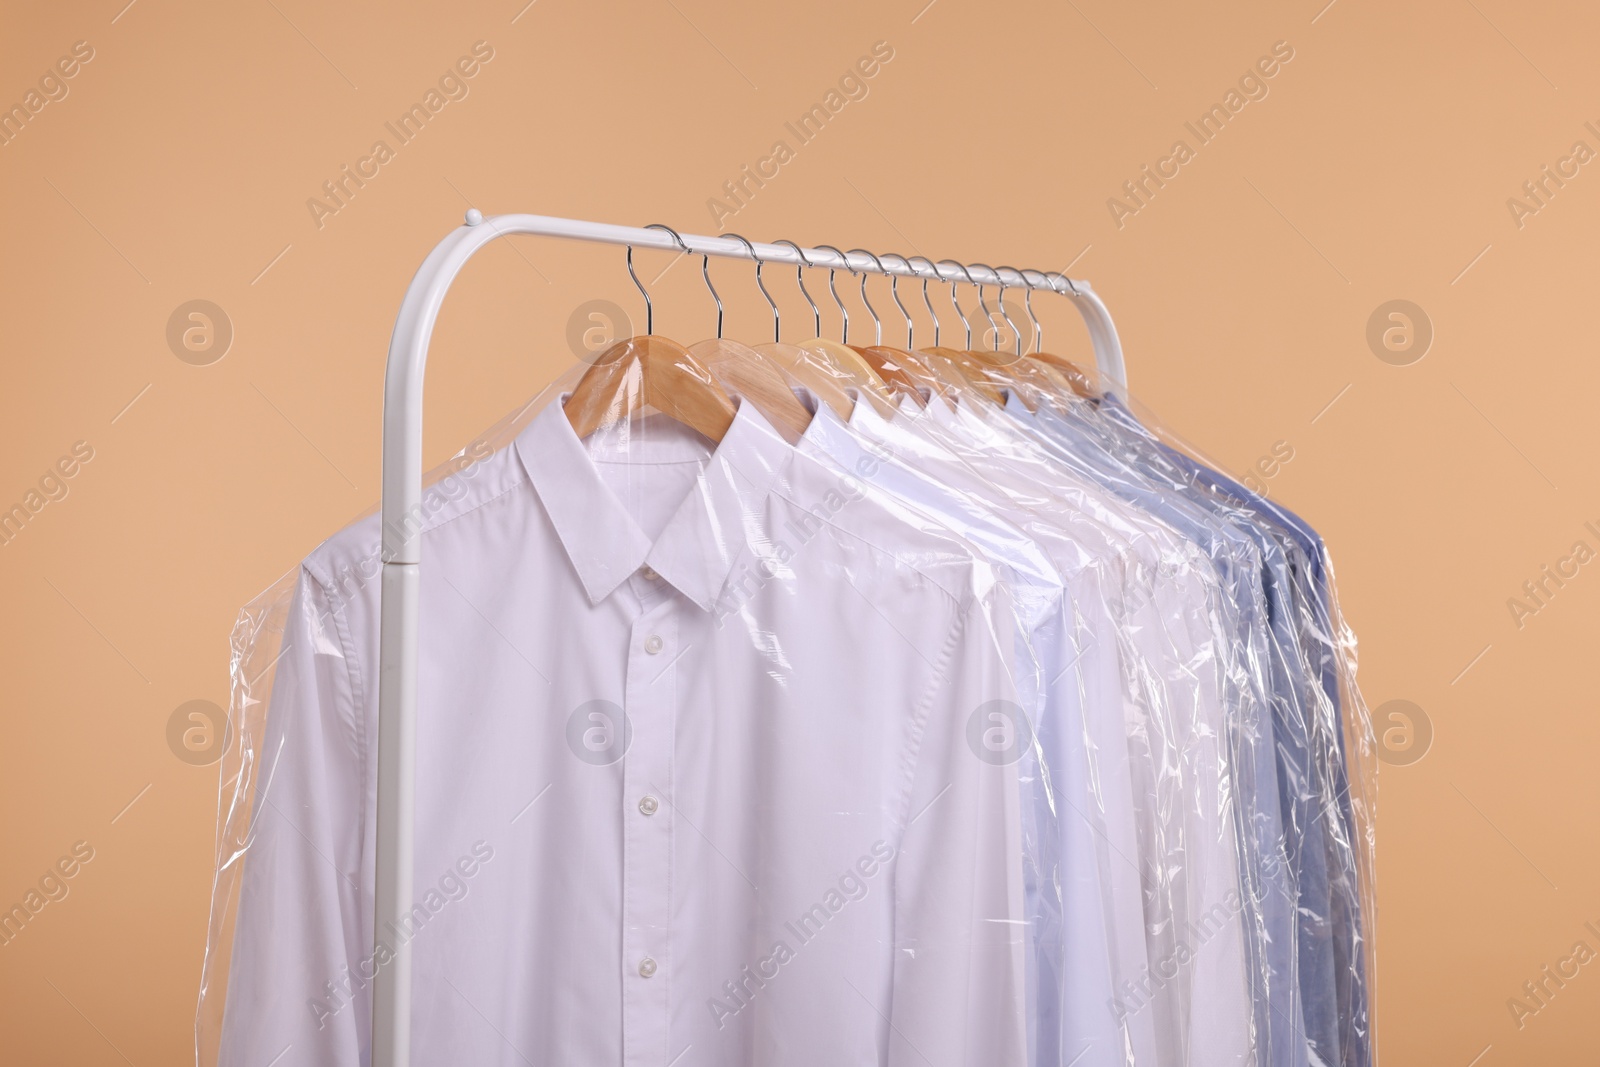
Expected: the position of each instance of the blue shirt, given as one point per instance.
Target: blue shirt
(1262, 698)
(1309, 597)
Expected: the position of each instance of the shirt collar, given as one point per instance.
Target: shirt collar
(940, 409)
(829, 435)
(702, 540)
(908, 430)
(969, 418)
(864, 418)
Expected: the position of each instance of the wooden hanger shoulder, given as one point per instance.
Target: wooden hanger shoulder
(952, 364)
(805, 369)
(1076, 378)
(649, 371)
(744, 370)
(900, 369)
(847, 362)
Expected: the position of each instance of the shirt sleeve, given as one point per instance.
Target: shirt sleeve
(299, 988)
(1192, 985)
(959, 993)
(1210, 943)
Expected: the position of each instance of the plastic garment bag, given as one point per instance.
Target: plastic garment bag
(1300, 766)
(1178, 993)
(1066, 903)
(258, 739)
(1267, 879)
(723, 755)
(956, 734)
(1337, 790)
(1321, 736)
(1323, 783)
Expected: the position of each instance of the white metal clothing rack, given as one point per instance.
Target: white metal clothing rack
(402, 541)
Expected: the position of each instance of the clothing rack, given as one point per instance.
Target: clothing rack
(402, 528)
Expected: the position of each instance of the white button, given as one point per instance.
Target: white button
(647, 967)
(649, 573)
(653, 644)
(649, 805)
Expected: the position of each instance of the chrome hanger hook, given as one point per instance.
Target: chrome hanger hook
(934, 315)
(988, 316)
(649, 312)
(894, 291)
(1053, 275)
(876, 322)
(777, 320)
(705, 272)
(956, 303)
(800, 280)
(1027, 302)
(1004, 314)
(844, 312)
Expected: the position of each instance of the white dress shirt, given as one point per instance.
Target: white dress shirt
(694, 781)
(1231, 639)
(1073, 977)
(1186, 638)
(1182, 995)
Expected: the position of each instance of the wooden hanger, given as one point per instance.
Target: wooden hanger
(907, 372)
(977, 374)
(1059, 377)
(999, 370)
(838, 360)
(809, 372)
(849, 366)
(1070, 373)
(741, 369)
(902, 372)
(1024, 377)
(649, 371)
(827, 369)
(947, 367)
(1059, 369)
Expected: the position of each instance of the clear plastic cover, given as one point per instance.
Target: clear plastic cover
(953, 732)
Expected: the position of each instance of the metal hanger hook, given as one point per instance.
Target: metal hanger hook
(934, 315)
(844, 312)
(705, 272)
(988, 315)
(876, 322)
(1004, 314)
(1051, 278)
(894, 291)
(1027, 302)
(800, 280)
(956, 303)
(649, 311)
(759, 283)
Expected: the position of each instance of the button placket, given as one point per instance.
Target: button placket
(648, 829)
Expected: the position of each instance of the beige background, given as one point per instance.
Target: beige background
(1378, 167)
